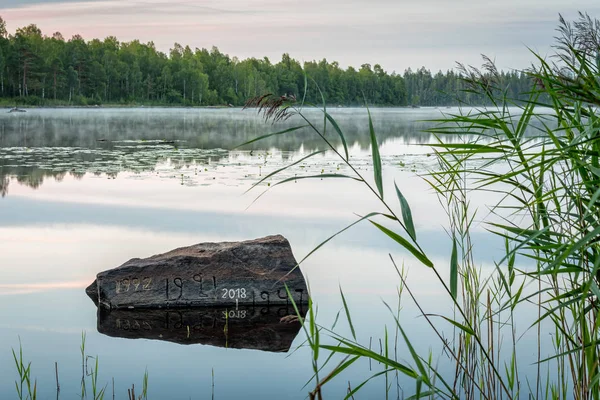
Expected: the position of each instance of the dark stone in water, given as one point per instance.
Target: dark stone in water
(258, 328)
(251, 273)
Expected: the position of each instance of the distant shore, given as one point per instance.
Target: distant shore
(95, 107)
(132, 106)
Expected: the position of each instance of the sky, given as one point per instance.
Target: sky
(397, 34)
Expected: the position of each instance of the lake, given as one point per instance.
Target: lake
(85, 190)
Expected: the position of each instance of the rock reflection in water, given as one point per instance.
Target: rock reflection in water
(258, 328)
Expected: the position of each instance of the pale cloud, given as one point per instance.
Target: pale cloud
(394, 33)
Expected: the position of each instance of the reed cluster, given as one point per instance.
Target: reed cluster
(539, 160)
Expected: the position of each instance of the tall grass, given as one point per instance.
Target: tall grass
(23, 385)
(144, 394)
(540, 159)
(89, 377)
(543, 161)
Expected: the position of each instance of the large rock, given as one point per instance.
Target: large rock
(259, 328)
(253, 272)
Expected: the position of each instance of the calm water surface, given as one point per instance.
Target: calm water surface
(86, 190)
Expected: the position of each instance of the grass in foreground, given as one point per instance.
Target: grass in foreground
(90, 387)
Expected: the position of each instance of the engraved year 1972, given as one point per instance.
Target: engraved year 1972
(133, 284)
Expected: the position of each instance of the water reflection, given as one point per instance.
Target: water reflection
(270, 329)
(30, 167)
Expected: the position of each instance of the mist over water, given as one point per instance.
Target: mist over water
(198, 128)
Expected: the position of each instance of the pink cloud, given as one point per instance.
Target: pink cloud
(25, 288)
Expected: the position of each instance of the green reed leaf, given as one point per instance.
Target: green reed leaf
(339, 132)
(376, 157)
(295, 128)
(283, 169)
(404, 243)
(348, 317)
(406, 214)
(454, 270)
(341, 367)
(460, 326)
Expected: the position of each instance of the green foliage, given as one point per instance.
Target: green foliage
(552, 184)
(89, 372)
(24, 382)
(52, 70)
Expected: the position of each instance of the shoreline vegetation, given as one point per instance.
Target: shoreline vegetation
(38, 69)
(11, 104)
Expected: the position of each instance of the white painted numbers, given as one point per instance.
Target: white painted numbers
(234, 294)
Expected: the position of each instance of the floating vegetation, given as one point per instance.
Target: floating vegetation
(151, 159)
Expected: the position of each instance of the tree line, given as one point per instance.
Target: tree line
(37, 69)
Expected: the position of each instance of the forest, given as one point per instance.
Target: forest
(37, 69)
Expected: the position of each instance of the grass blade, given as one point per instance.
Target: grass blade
(376, 156)
(454, 270)
(356, 389)
(404, 243)
(406, 214)
(460, 326)
(271, 134)
(328, 239)
(341, 367)
(348, 314)
(283, 169)
(354, 350)
(339, 132)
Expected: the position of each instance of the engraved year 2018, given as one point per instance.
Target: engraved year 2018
(234, 294)
(133, 284)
